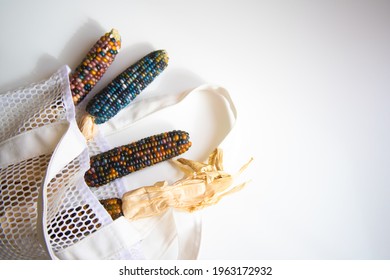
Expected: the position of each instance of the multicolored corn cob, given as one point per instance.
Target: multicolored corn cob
(113, 207)
(94, 65)
(126, 86)
(123, 160)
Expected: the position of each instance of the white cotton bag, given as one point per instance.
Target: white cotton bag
(48, 212)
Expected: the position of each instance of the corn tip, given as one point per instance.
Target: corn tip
(114, 33)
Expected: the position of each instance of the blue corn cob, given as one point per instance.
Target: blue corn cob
(127, 86)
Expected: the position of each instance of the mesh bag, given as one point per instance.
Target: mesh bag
(47, 210)
(34, 119)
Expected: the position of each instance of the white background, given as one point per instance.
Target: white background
(310, 80)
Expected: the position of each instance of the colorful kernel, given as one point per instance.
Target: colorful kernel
(126, 86)
(93, 67)
(113, 207)
(123, 160)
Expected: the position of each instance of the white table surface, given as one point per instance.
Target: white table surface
(310, 80)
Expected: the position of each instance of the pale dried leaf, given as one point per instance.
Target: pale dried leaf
(203, 186)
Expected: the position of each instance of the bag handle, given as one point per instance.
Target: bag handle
(189, 235)
(148, 106)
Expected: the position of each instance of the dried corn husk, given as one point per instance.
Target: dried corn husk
(204, 184)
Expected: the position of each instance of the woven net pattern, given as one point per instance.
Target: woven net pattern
(73, 211)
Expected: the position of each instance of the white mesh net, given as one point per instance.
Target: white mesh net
(73, 210)
(31, 107)
(74, 213)
(19, 192)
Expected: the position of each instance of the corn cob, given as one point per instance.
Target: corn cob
(122, 90)
(126, 86)
(94, 65)
(123, 160)
(113, 207)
